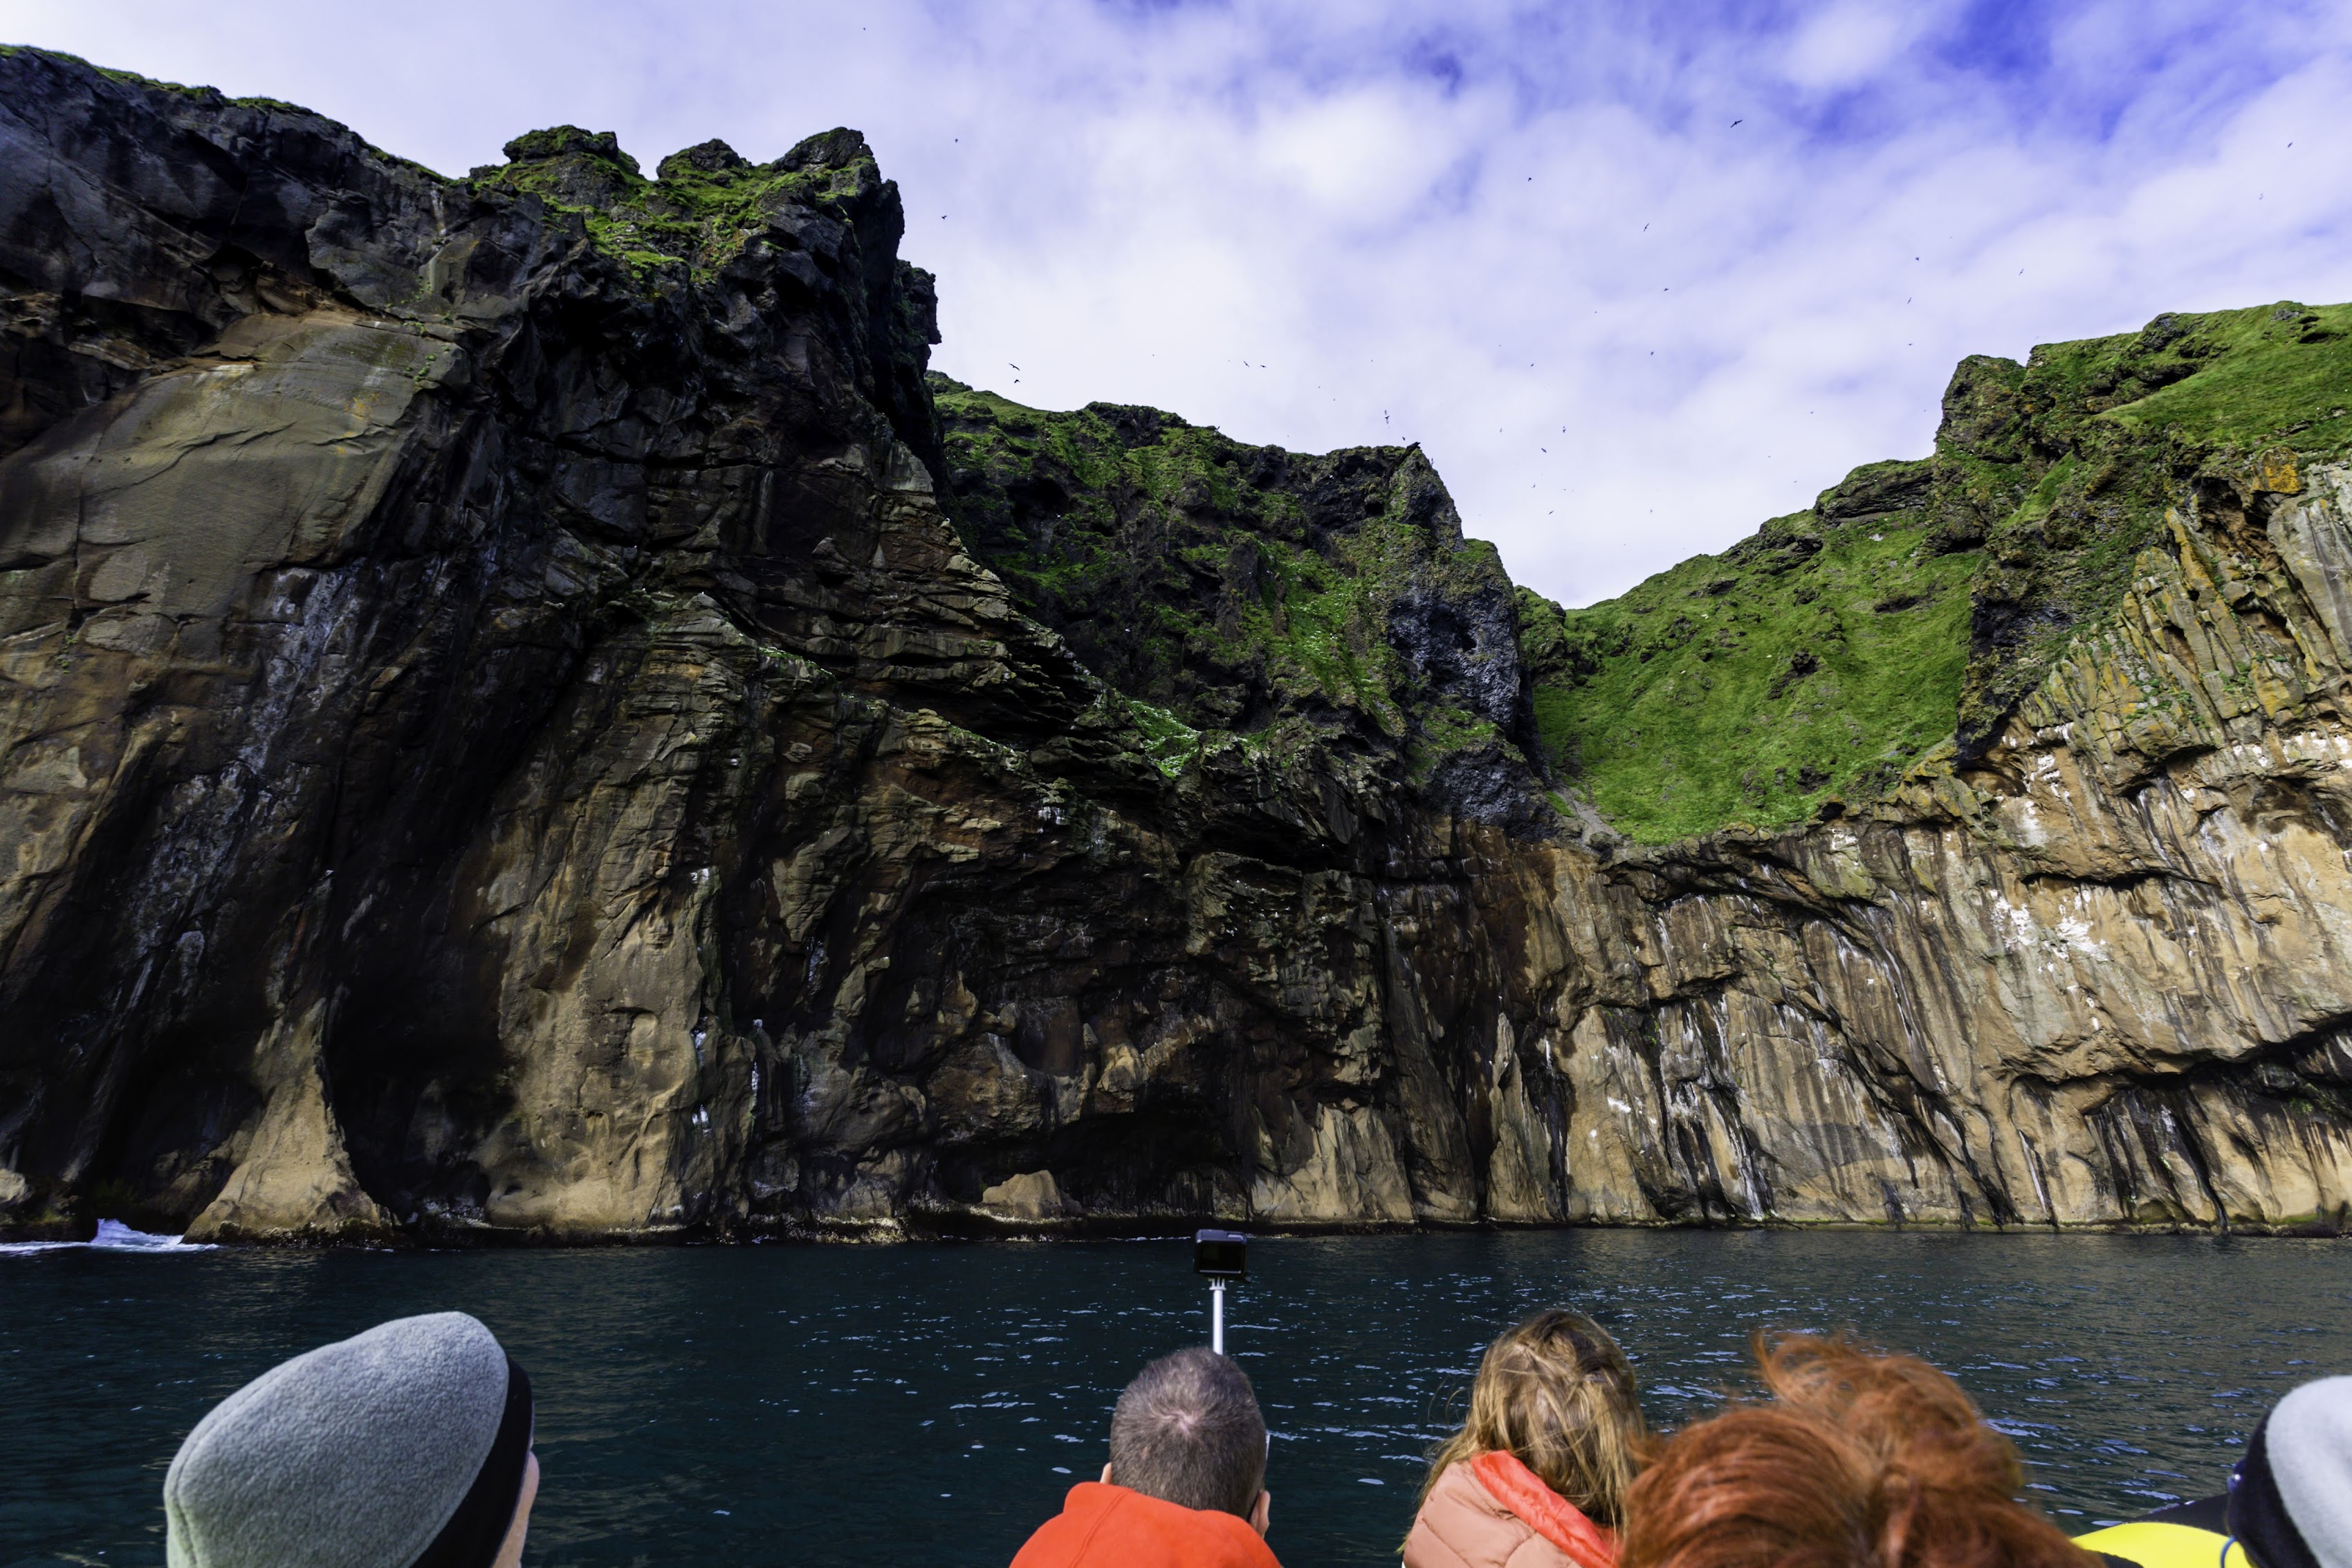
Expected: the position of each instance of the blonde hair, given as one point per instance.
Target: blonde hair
(1556, 1394)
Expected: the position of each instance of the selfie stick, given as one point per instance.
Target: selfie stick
(1219, 1256)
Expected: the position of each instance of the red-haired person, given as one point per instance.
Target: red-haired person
(1857, 1460)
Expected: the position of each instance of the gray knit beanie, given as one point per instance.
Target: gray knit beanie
(2311, 1461)
(356, 1455)
(2291, 1497)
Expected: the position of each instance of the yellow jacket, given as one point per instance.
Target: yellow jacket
(2154, 1545)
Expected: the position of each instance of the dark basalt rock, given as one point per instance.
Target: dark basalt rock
(570, 140)
(555, 769)
(711, 157)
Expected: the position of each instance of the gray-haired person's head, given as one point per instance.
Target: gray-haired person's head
(1188, 1431)
(404, 1446)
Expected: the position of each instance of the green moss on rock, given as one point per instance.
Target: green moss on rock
(1914, 605)
(2103, 435)
(707, 203)
(1236, 588)
(568, 140)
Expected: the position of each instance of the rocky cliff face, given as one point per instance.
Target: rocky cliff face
(522, 713)
(2081, 960)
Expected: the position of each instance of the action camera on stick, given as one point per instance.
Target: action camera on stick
(1219, 1256)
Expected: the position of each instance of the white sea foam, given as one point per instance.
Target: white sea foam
(113, 1236)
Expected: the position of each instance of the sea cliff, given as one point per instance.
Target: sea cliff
(526, 713)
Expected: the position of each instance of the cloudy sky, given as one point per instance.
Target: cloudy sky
(1637, 275)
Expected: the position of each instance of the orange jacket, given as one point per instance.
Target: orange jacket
(1110, 1527)
(1494, 1512)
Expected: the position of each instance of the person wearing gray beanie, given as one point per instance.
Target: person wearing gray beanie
(405, 1447)
(2291, 1496)
(2289, 1503)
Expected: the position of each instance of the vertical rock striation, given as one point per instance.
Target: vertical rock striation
(522, 713)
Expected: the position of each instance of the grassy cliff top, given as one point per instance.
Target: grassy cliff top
(1276, 598)
(1900, 618)
(1819, 658)
(1914, 603)
(1230, 585)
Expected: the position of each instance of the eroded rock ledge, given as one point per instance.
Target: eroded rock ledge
(504, 732)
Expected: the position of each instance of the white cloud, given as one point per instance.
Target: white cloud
(1353, 156)
(1495, 228)
(1846, 44)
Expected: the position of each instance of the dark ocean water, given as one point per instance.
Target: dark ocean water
(930, 1404)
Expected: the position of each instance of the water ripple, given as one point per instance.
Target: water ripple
(782, 1404)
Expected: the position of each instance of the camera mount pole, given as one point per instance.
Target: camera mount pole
(1217, 1316)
